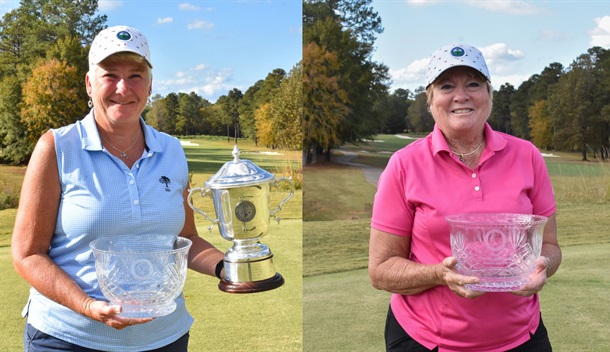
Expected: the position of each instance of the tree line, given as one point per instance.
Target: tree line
(269, 112)
(347, 98)
(43, 61)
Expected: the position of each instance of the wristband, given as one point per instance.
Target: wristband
(219, 267)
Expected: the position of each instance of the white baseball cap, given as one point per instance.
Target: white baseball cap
(455, 55)
(118, 39)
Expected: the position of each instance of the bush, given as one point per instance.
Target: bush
(8, 200)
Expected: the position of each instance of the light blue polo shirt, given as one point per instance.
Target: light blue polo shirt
(101, 196)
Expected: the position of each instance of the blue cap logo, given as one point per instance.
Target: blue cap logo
(457, 51)
(123, 35)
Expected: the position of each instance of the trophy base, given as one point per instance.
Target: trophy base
(252, 287)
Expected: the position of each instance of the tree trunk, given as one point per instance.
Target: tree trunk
(584, 152)
(304, 155)
(327, 154)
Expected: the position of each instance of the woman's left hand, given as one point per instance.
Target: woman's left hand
(109, 314)
(537, 279)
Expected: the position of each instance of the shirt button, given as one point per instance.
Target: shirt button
(477, 188)
(136, 202)
(474, 175)
(131, 182)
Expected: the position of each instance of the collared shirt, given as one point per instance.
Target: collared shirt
(101, 196)
(422, 184)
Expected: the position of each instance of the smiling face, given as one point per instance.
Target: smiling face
(119, 88)
(460, 102)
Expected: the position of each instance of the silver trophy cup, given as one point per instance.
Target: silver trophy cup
(240, 192)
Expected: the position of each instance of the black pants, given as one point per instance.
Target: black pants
(397, 339)
(35, 340)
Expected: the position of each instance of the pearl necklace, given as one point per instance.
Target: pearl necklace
(124, 152)
(461, 156)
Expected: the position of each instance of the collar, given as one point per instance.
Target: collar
(494, 141)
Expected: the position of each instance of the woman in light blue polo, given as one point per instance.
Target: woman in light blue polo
(107, 174)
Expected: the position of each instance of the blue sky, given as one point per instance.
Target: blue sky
(518, 38)
(210, 47)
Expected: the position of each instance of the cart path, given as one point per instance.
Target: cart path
(371, 174)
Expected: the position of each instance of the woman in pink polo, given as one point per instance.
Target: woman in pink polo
(462, 166)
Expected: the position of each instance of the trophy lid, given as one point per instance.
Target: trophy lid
(238, 173)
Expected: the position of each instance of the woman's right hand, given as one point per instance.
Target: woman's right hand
(109, 314)
(457, 282)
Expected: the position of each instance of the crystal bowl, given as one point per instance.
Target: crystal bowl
(501, 249)
(142, 273)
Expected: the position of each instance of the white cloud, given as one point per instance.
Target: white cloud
(185, 6)
(165, 20)
(501, 52)
(216, 83)
(514, 79)
(501, 60)
(206, 82)
(107, 5)
(200, 25)
(600, 35)
(414, 72)
(513, 7)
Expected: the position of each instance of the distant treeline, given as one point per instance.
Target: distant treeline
(269, 112)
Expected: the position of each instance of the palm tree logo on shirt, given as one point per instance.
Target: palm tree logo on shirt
(166, 181)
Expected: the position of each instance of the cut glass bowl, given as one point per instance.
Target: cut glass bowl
(501, 249)
(144, 274)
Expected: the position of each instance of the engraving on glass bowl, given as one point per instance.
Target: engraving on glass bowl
(142, 269)
(495, 240)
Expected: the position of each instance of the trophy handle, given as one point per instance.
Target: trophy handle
(276, 183)
(205, 192)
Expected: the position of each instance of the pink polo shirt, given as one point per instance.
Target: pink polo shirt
(423, 183)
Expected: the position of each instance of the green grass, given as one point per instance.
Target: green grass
(335, 246)
(342, 312)
(326, 200)
(336, 286)
(575, 302)
(7, 221)
(208, 155)
(265, 321)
